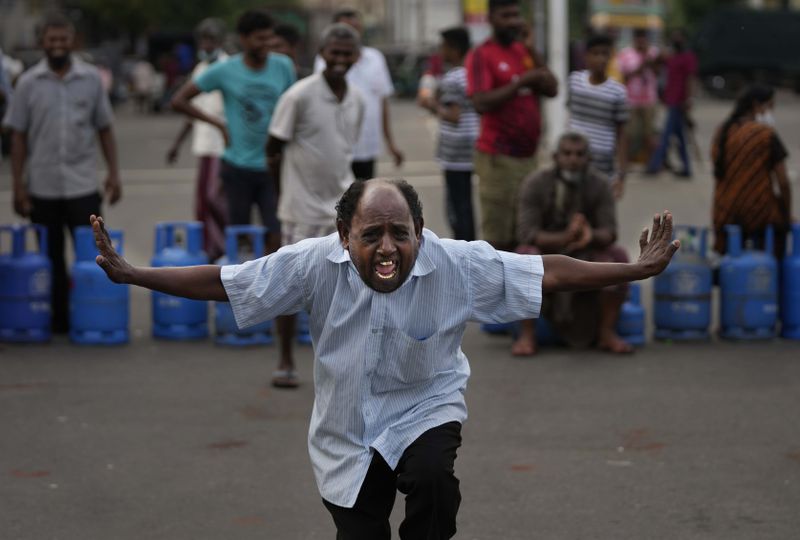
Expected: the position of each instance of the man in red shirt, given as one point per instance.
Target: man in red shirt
(681, 66)
(505, 80)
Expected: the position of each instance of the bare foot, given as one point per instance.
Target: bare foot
(614, 344)
(523, 347)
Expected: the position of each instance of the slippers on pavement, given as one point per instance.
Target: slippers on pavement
(285, 378)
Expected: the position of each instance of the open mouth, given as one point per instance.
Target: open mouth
(386, 269)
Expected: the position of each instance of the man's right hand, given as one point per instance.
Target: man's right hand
(22, 202)
(116, 268)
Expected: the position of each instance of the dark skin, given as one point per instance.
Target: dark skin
(597, 60)
(57, 44)
(507, 25)
(381, 232)
(386, 118)
(255, 47)
(579, 235)
(208, 45)
(339, 56)
(449, 112)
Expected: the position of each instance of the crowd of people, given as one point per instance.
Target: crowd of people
(301, 147)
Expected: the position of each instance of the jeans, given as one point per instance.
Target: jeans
(459, 204)
(673, 126)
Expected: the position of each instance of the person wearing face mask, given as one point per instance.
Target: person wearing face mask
(59, 111)
(569, 209)
(680, 67)
(752, 186)
(207, 144)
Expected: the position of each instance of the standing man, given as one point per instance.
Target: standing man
(370, 75)
(389, 303)
(598, 108)
(251, 83)
(505, 80)
(311, 139)
(681, 67)
(210, 207)
(638, 65)
(569, 209)
(58, 111)
(286, 40)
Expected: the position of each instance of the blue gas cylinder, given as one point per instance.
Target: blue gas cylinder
(226, 330)
(173, 317)
(630, 325)
(790, 289)
(748, 282)
(682, 292)
(25, 285)
(98, 307)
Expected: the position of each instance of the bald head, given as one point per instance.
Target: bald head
(380, 224)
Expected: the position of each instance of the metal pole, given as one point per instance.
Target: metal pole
(557, 59)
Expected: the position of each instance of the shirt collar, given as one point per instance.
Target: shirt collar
(424, 264)
(76, 68)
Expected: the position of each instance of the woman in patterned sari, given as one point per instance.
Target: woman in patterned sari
(752, 187)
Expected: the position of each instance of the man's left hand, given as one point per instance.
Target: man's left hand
(397, 155)
(659, 249)
(113, 188)
(618, 186)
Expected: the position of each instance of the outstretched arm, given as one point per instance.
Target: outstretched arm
(563, 273)
(196, 282)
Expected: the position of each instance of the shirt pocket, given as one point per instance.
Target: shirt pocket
(406, 362)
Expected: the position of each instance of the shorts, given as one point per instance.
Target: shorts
(246, 187)
(500, 179)
(292, 233)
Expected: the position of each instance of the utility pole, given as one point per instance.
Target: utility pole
(558, 61)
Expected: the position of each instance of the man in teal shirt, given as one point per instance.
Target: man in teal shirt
(251, 83)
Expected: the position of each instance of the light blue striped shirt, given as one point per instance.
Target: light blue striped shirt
(387, 366)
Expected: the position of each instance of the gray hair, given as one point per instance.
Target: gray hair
(210, 28)
(340, 31)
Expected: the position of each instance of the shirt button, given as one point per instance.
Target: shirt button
(376, 330)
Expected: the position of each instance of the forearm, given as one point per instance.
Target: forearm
(550, 242)
(491, 100)
(387, 122)
(185, 130)
(562, 273)
(195, 282)
(274, 152)
(622, 151)
(19, 153)
(109, 149)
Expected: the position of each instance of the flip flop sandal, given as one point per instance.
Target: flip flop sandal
(285, 378)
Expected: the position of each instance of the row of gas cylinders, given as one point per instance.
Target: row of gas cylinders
(99, 309)
(750, 307)
(755, 293)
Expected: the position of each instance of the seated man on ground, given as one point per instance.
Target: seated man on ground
(569, 209)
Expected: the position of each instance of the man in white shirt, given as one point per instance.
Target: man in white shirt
(371, 76)
(311, 138)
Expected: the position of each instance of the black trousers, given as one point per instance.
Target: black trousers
(363, 170)
(55, 214)
(245, 187)
(425, 475)
(459, 204)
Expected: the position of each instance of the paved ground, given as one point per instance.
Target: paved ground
(164, 440)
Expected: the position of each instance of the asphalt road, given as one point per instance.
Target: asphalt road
(186, 440)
